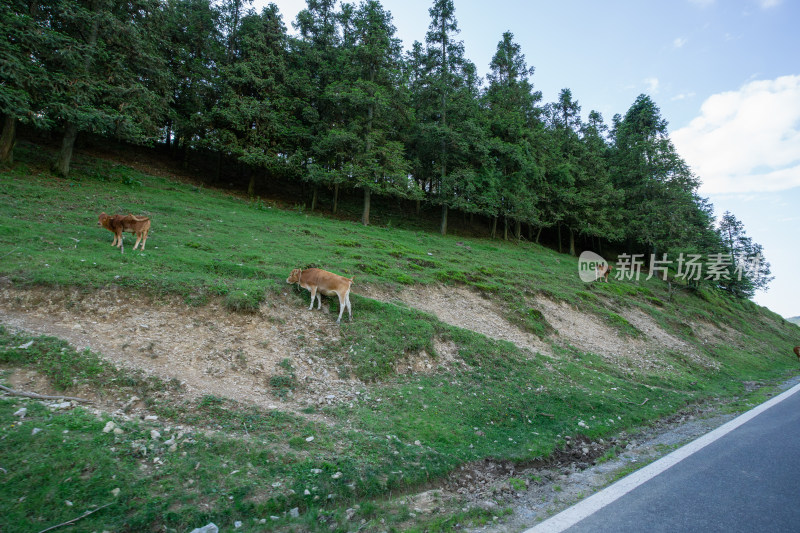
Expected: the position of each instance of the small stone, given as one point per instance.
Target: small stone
(237, 524)
(21, 412)
(68, 503)
(154, 434)
(151, 418)
(337, 475)
(309, 439)
(418, 443)
(109, 427)
(118, 431)
(294, 513)
(25, 346)
(115, 492)
(35, 431)
(211, 527)
(307, 492)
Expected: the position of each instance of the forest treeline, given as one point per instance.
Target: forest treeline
(339, 104)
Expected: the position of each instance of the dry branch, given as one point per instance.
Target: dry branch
(41, 396)
(68, 522)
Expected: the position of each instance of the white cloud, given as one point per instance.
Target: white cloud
(652, 85)
(766, 4)
(746, 140)
(679, 42)
(682, 96)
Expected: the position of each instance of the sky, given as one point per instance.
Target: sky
(724, 73)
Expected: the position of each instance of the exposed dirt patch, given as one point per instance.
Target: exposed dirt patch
(213, 351)
(464, 308)
(468, 309)
(208, 349)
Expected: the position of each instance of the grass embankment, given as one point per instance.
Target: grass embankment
(404, 432)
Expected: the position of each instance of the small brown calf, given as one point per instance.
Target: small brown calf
(319, 282)
(797, 352)
(602, 271)
(116, 224)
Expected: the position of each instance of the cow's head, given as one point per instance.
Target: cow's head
(294, 277)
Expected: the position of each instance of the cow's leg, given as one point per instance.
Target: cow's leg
(313, 295)
(144, 239)
(349, 306)
(342, 305)
(138, 239)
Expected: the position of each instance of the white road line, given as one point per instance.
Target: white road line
(592, 504)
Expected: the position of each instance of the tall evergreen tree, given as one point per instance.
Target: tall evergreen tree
(108, 76)
(25, 79)
(251, 114)
(315, 63)
(447, 111)
(195, 52)
(660, 189)
(746, 268)
(580, 191)
(513, 129)
(374, 95)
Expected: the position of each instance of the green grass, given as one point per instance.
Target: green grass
(402, 434)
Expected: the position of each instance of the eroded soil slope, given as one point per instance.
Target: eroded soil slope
(213, 351)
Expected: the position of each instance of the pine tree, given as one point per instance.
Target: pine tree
(26, 81)
(250, 118)
(108, 76)
(513, 126)
(445, 90)
(195, 51)
(659, 187)
(748, 270)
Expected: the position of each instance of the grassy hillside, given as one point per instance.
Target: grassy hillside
(238, 463)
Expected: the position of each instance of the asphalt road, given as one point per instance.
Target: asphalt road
(742, 477)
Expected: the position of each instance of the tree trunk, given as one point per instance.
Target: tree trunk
(571, 242)
(518, 229)
(218, 168)
(419, 206)
(335, 197)
(505, 228)
(8, 139)
(539, 234)
(61, 164)
(560, 250)
(365, 214)
(251, 186)
(443, 228)
(494, 227)
(314, 199)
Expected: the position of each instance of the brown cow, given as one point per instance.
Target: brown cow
(602, 271)
(116, 224)
(797, 352)
(319, 281)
